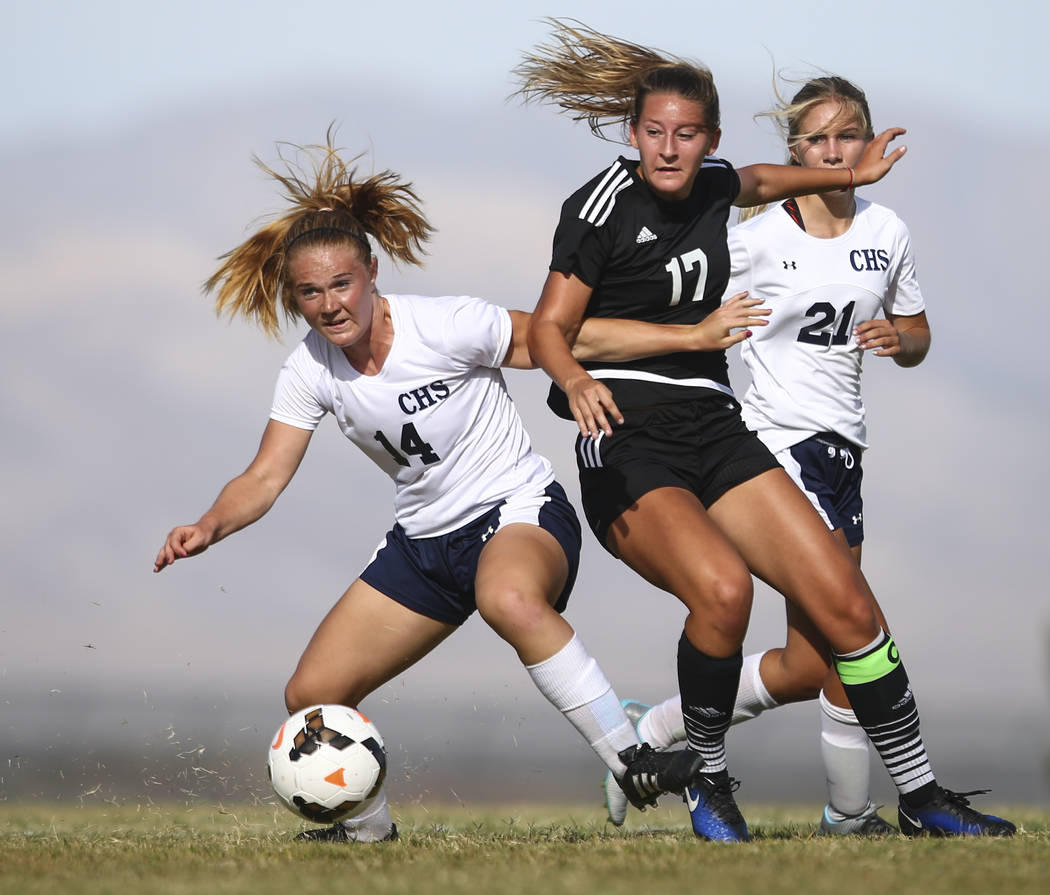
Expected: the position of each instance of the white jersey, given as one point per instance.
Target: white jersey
(805, 365)
(437, 418)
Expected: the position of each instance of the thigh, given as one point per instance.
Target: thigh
(522, 573)
(668, 537)
(787, 545)
(365, 640)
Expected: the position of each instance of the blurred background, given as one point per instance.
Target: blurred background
(126, 136)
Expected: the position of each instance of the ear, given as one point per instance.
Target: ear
(715, 139)
(374, 270)
(633, 136)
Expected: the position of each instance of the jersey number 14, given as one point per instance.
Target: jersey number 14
(412, 443)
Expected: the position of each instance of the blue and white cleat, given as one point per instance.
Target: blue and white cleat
(949, 814)
(713, 810)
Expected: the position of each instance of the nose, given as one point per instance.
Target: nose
(667, 147)
(329, 302)
(832, 150)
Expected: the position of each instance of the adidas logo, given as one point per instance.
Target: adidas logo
(645, 235)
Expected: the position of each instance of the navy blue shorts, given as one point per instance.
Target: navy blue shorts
(435, 576)
(827, 469)
(700, 445)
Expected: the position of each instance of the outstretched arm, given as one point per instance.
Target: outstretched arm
(613, 339)
(905, 339)
(245, 498)
(760, 184)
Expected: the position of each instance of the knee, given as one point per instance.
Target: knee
(305, 690)
(726, 602)
(511, 611)
(300, 694)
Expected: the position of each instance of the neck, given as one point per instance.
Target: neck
(827, 215)
(368, 355)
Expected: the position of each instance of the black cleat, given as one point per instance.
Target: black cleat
(650, 774)
(339, 833)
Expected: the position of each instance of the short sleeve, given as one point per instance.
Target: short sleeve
(295, 400)
(477, 333)
(904, 298)
(739, 265)
(580, 248)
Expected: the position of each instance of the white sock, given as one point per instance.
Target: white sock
(844, 748)
(662, 726)
(374, 823)
(577, 687)
(752, 697)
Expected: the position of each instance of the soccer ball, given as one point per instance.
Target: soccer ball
(327, 763)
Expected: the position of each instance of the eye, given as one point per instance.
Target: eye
(652, 132)
(687, 135)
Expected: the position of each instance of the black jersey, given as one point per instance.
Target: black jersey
(650, 259)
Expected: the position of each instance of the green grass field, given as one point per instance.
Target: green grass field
(71, 848)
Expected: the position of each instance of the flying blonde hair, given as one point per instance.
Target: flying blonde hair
(604, 80)
(329, 206)
(789, 115)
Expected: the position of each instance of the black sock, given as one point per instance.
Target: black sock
(708, 686)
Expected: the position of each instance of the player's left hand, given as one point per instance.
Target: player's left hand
(879, 336)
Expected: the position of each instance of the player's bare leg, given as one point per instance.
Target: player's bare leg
(365, 640)
(669, 538)
(521, 574)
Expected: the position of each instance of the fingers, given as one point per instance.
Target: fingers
(879, 336)
(593, 409)
(181, 542)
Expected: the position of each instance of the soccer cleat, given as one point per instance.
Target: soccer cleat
(615, 800)
(634, 710)
(339, 833)
(713, 810)
(867, 823)
(949, 814)
(650, 774)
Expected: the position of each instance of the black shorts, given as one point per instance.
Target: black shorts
(435, 576)
(701, 445)
(827, 469)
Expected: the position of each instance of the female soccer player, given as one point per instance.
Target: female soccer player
(828, 264)
(683, 492)
(415, 383)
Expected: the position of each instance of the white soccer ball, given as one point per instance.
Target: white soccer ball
(327, 763)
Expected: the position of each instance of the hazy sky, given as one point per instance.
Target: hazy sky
(126, 135)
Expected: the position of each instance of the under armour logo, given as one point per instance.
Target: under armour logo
(789, 265)
(488, 534)
(858, 518)
(645, 235)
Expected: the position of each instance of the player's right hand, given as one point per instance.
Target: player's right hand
(182, 541)
(592, 405)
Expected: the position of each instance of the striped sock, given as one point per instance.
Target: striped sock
(708, 686)
(879, 691)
